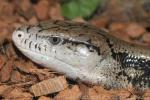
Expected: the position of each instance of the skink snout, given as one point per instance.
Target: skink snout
(17, 36)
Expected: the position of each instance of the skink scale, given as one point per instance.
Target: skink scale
(82, 51)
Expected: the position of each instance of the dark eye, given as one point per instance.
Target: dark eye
(55, 40)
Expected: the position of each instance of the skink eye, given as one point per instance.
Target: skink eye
(55, 40)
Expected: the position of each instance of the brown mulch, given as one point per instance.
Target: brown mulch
(21, 79)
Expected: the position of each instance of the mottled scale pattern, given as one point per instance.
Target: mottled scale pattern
(82, 51)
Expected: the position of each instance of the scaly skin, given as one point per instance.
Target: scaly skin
(84, 52)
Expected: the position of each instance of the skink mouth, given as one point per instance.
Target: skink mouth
(31, 54)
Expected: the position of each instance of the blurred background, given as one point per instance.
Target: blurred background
(126, 19)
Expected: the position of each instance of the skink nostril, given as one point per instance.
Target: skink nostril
(19, 35)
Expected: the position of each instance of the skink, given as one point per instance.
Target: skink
(82, 51)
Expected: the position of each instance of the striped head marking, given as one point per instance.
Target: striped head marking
(62, 46)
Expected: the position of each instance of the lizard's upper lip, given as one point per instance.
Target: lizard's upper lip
(13, 36)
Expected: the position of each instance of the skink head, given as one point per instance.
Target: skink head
(60, 44)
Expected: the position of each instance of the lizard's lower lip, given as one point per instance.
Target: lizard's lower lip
(44, 60)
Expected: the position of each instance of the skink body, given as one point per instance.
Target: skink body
(84, 52)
